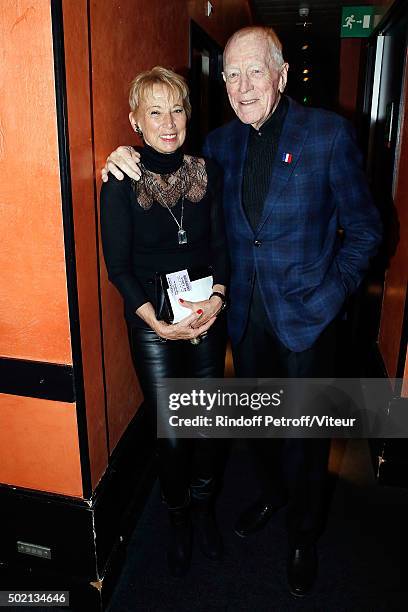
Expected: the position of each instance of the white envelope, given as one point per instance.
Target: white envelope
(201, 289)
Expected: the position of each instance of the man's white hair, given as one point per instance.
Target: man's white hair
(275, 44)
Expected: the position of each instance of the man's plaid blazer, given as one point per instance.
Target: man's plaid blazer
(305, 270)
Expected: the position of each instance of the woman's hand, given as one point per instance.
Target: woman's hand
(176, 331)
(206, 309)
(187, 329)
(123, 158)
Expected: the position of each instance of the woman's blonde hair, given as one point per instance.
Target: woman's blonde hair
(143, 83)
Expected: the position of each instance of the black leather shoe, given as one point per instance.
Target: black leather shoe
(179, 549)
(302, 570)
(206, 531)
(255, 518)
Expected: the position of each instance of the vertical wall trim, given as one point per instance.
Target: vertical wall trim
(69, 242)
(404, 341)
(375, 97)
(95, 191)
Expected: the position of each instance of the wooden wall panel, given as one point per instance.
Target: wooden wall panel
(77, 67)
(404, 391)
(395, 289)
(145, 34)
(127, 37)
(39, 445)
(228, 16)
(350, 49)
(33, 299)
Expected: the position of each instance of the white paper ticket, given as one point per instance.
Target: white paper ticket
(179, 282)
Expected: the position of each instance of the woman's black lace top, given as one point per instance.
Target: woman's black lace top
(139, 234)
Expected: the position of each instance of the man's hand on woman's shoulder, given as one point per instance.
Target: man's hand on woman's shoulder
(123, 160)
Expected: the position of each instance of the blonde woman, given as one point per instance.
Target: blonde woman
(170, 220)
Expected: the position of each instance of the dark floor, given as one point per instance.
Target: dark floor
(363, 562)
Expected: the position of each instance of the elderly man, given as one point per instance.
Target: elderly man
(292, 178)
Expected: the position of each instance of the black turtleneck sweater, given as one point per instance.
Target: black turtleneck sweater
(261, 153)
(138, 242)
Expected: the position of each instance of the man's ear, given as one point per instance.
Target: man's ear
(283, 77)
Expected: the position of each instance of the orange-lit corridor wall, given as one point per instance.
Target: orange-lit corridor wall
(105, 44)
(33, 307)
(38, 438)
(124, 38)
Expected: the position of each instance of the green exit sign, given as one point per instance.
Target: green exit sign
(357, 21)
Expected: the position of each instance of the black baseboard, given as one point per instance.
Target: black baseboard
(86, 538)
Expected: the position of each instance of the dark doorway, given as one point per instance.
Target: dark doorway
(207, 88)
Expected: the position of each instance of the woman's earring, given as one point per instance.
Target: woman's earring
(138, 130)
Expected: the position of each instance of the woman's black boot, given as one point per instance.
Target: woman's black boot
(206, 530)
(179, 550)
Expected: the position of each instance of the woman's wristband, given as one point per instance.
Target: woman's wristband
(222, 298)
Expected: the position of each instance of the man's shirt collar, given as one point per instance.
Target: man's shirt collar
(274, 122)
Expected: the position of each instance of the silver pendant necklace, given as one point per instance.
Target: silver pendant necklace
(181, 234)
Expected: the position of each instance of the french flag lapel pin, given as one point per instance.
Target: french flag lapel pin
(287, 158)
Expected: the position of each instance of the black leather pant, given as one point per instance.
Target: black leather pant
(185, 466)
(292, 470)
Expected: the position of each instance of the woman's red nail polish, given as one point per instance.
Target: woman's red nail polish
(199, 311)
(181, 300)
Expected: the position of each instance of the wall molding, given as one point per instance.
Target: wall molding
(50, 381)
